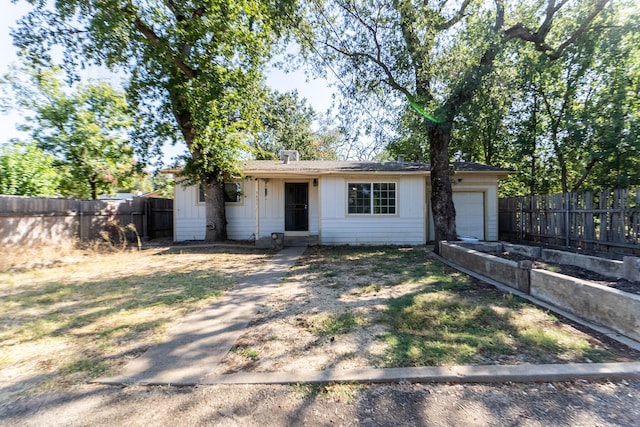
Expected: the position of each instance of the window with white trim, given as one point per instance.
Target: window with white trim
(371, 198)
(232, 192)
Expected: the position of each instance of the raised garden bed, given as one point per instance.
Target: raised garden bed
(574, 271)
(601, 301)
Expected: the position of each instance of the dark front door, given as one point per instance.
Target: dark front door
(296, 207)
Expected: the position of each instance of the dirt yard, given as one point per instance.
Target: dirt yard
(572, 404)
(333, 312)
(338, 308)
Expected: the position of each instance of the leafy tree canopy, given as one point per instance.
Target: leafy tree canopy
(195, 67)
(287, 125)
(26, 170)
(564, 123)
(437, 54)
(84, 128)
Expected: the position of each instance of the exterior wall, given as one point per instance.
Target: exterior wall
(610, 307)
(190, 215)
(328, 216)
(484, 183)
(241, 216)
(406, 227)
(271, 205)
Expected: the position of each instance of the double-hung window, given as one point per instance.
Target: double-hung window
(372, 198)
(232, 192)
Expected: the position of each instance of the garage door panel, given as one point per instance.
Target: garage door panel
(469, 214)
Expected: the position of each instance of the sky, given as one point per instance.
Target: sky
(317, 92)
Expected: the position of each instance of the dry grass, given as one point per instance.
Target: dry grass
(18, 258)
(88, 312)
(358, 307)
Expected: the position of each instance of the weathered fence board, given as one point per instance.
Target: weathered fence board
(608, 221)
(37, 221)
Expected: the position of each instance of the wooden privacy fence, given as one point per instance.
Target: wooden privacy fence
(608, 221)
(32, 221)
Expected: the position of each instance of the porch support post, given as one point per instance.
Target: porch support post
(257, 194)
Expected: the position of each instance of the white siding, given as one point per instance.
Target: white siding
(271, 206)
(328, 216)
(189, 222)
(406, 227)
(241, 217)
(314, 209)
(190, 216)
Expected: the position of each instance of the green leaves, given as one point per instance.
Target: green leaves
(195, 68)
(25, 170)
(83, 128)
(286, 122)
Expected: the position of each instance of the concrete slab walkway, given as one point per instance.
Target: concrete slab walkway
(198, 343)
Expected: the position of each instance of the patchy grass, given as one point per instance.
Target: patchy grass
(75, 321)
(335, 324)
(397, 306)
(337, 392)
(249, 353)
(449, 323)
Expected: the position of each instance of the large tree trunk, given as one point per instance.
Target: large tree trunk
(213, 187)
(216, 218)
(444, 212)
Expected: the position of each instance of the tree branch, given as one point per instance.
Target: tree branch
(546, 25)
(583, 27)
(456, 18)
(473, 79)
(499, 16)
(371, 29)
(160, 43)
(585, 175)
(538, 37)
(519, 31)
(390, 80)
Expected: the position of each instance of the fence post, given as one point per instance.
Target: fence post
(567, 207)
(146, 209)
(521, 228)
(79, 215)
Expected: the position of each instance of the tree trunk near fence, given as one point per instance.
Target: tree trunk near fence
(94, 189)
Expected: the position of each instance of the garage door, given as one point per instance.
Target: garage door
(469, 214)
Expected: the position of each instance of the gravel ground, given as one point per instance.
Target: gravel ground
(577, 403)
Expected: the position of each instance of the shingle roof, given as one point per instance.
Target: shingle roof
(327, 167)
(324, 166)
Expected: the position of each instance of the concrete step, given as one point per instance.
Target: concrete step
(291, 241)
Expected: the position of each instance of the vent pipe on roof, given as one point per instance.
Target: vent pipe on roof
(287, 156)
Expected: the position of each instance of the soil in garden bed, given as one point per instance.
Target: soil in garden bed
(573, 271)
